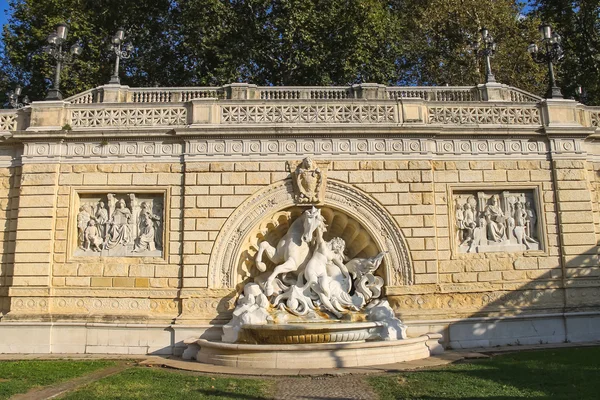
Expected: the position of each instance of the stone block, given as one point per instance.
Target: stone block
(465, 277)
(197, 167)
(491, 276)
(419, 164)
(360, 176)
(396, 165)
(232, 201)
(101, 282)
(497, 175)
(170, 179)
(272, 166)
(386, 198)
(570, 175)
(373, 165)
(141, 270)
(518, 176)
(384, 176)
(116, 270)
(124, 282)
(90, 269)
(120, 179)
(421, 279)
(579, 239)
(526, 263)
(409, 176)
(77, 281)
(247, 166)
(166, 271)
(446, 176)
(145, 179)
(573, 195)
(221, 166)
(507, 165)
(208, 201)
(487, 165)
(208, 178)
(258, 178)
(233, 178)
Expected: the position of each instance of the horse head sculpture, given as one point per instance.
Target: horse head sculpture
(311, 223)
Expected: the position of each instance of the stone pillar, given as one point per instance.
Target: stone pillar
(573, 201)
(204, 111)
(370, 91)
(48, 115)
(37, 225)
(114, 93)
(241, 91)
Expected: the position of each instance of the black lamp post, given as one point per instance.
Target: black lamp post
(487, 50)
(552, 53)
(13, 98)
(122, 50)
(56, 41)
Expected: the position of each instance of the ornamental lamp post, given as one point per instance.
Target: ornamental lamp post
(488, 50)
(13, 98)
(56, 41)
(552, 53)
(122, 50)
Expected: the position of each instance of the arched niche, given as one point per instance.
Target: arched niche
(348, 211)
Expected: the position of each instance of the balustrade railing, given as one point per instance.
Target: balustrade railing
(291, 93)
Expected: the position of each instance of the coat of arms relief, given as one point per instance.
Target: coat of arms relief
(309, 180)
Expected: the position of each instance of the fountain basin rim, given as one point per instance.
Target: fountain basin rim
(316, 346)
(313, 326)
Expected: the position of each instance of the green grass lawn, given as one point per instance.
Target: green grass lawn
(556, 374)
(21, 376)
(151, 383)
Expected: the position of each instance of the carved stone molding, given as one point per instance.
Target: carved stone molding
(308, 114)
(501, 115)
(128, 117)
(279, 196)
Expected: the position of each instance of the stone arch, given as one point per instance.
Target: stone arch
(372, 217)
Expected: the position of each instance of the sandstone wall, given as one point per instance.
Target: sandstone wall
(46, 279)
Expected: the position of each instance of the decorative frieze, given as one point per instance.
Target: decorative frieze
(308, 114)
(128, 117)
(501, 115)
(119, 225)
(493, 221)
(8, 122)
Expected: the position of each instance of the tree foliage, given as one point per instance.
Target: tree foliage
(578, 23)
(272, 42)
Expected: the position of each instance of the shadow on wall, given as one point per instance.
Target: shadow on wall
(7, 238)
(548, 309)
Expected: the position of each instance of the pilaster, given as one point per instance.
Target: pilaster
(37, 225)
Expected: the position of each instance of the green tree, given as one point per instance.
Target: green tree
(442, 33)
(578, 23)
(279, 42)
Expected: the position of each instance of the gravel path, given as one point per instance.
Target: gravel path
(324, 387)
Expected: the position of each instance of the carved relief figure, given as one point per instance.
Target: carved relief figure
(101, 217)
(530, 224)
(308, 181)
(83, 217)
(119, 225)
(119, 231)
(147, 230)
(496, 222)
(92, 237)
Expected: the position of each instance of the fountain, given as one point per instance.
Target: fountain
(309, 305)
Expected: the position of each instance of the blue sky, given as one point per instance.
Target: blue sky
(3, 7)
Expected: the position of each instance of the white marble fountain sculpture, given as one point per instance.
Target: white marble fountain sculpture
(313, 283)
(316, 307)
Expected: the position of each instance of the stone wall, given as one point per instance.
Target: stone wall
(224, 186)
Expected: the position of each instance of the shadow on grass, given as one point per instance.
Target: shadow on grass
(556, 374)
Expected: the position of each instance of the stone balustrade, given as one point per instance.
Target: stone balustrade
(118, 107)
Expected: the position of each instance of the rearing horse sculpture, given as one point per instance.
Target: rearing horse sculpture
(293, 250)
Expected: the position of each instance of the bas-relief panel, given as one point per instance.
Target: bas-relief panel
(496, 221)
(120, 225)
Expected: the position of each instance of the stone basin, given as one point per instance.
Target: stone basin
(314, 355)
(310, 332)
